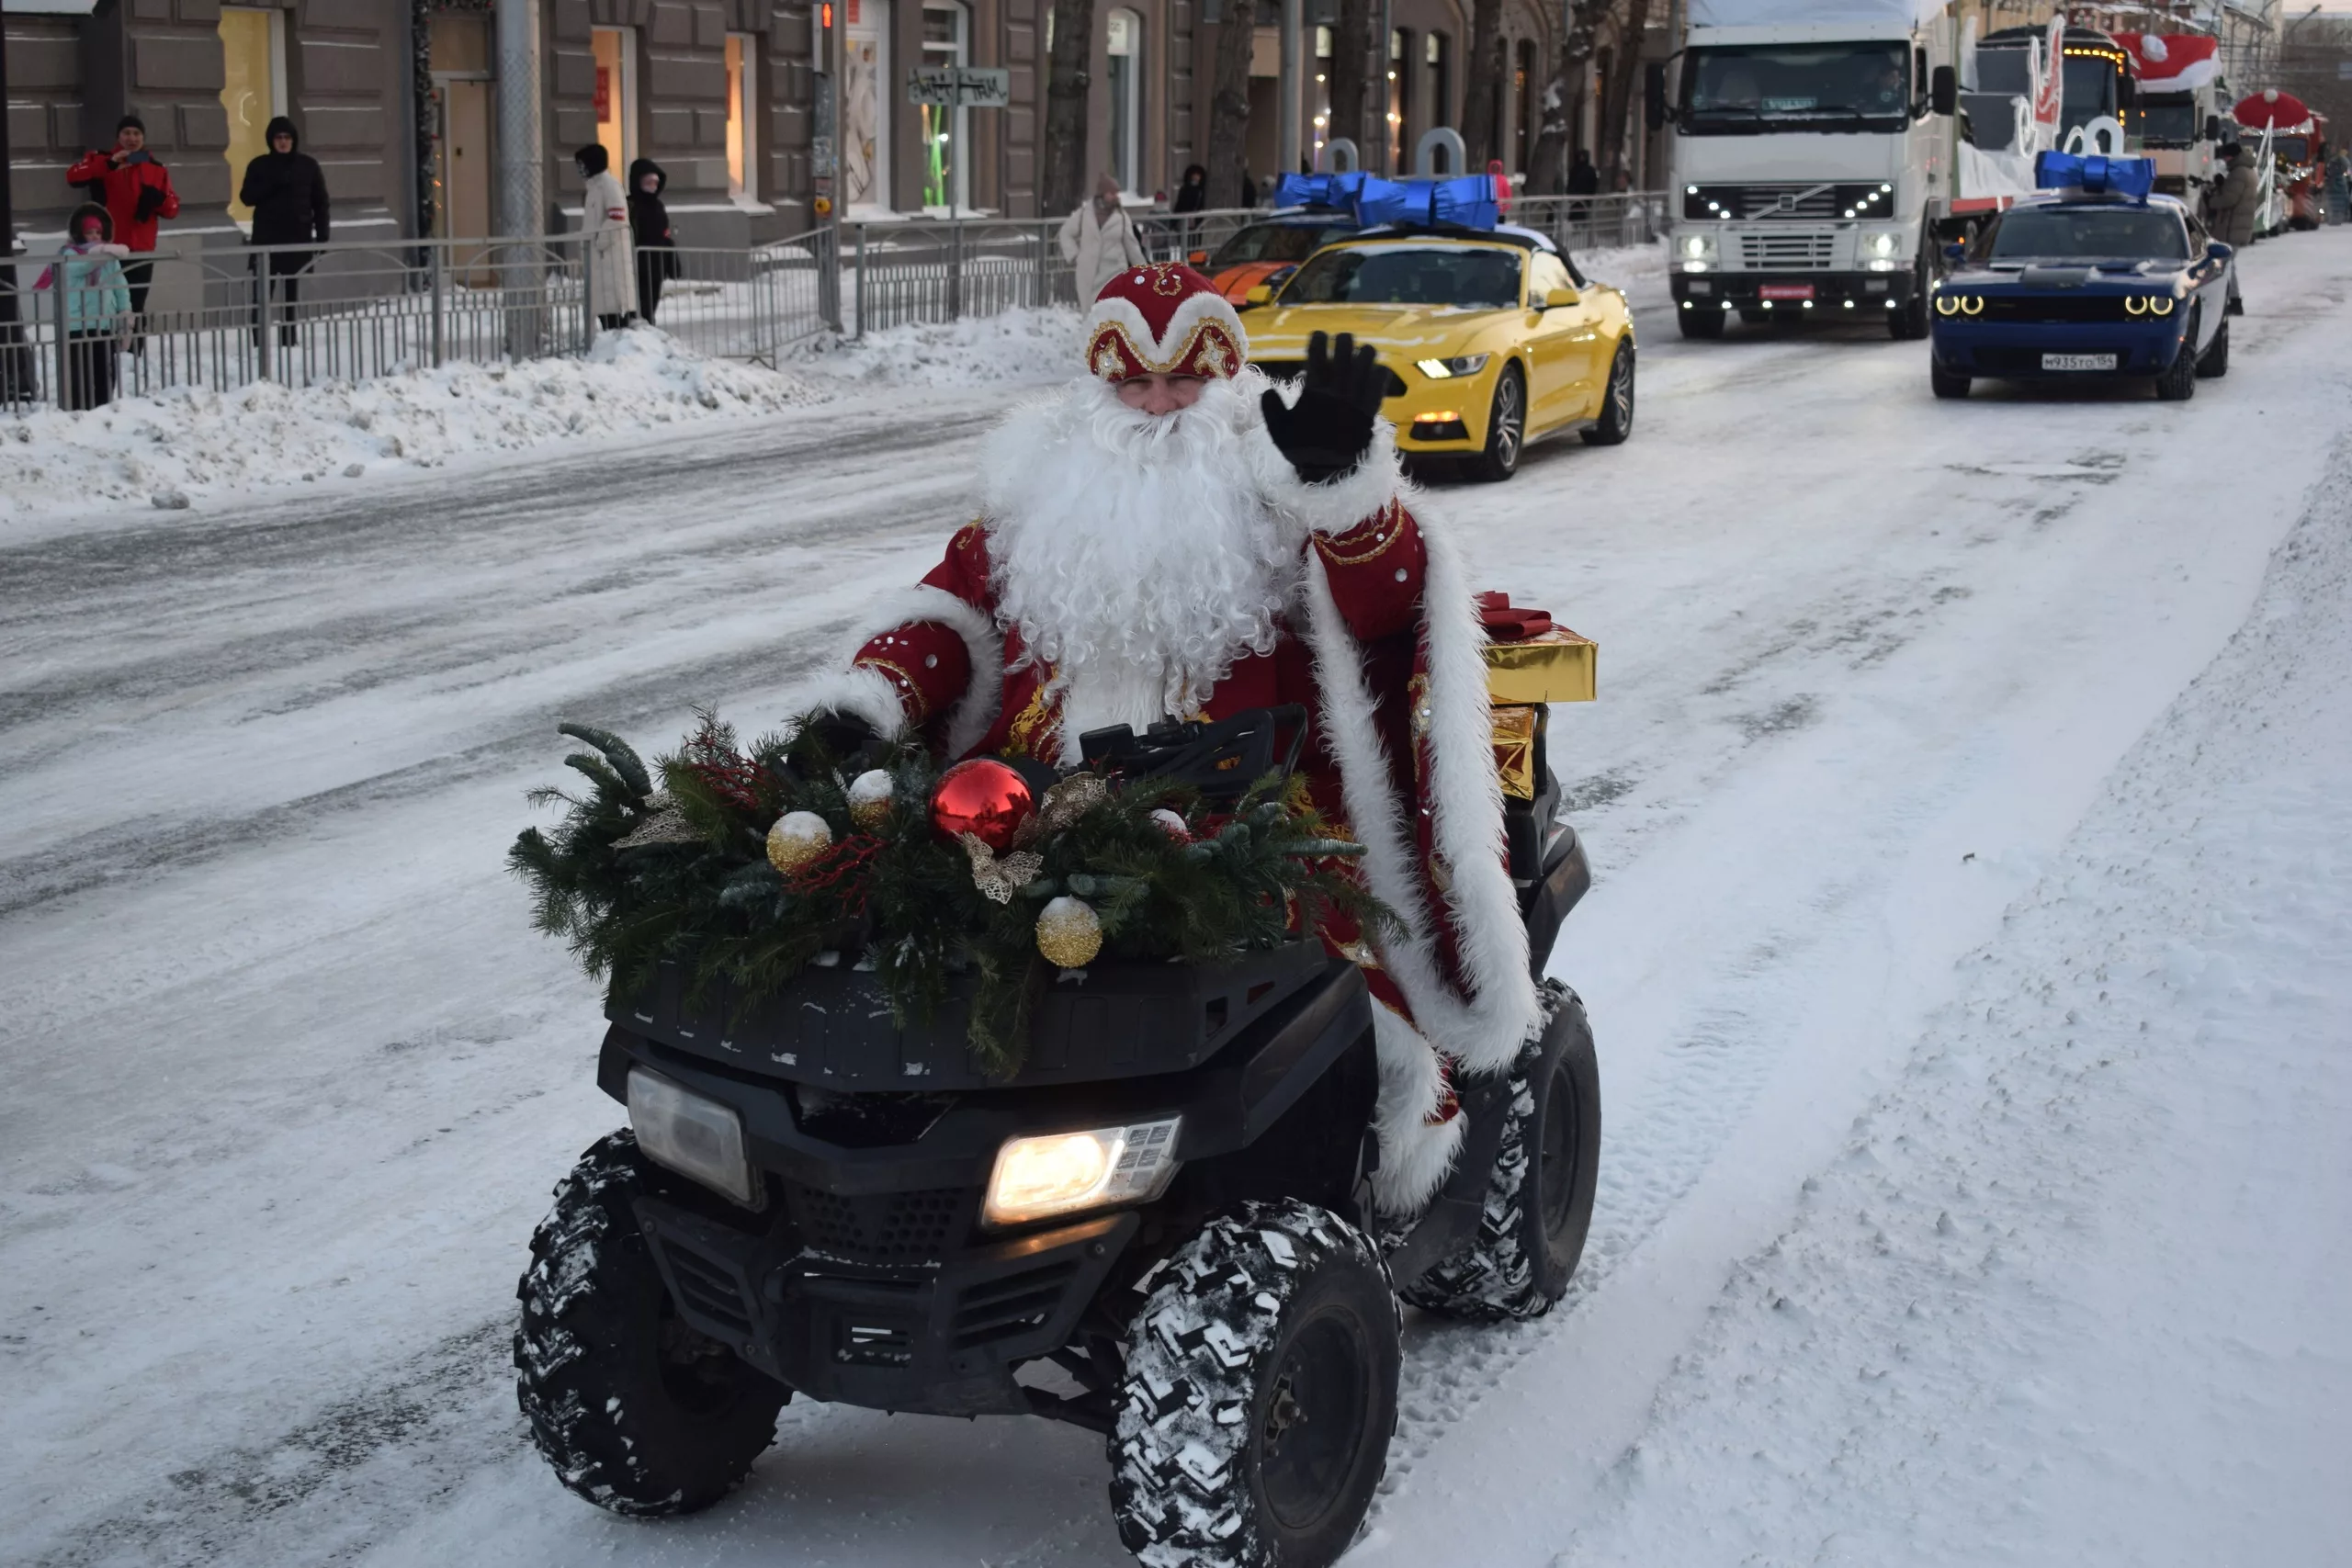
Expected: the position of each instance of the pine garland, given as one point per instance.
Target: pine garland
(692, 884)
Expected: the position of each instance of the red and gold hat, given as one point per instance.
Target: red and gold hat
(1164, 319)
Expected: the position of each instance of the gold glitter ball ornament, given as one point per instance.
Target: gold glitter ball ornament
(869, 799)
(798, 837)
(1069, 934)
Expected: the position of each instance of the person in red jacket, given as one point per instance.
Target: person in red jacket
(136, 191)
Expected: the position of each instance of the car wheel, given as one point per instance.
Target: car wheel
(1506, 428)
(1616, 420)
(1945, 383)
(2177, 383)
(1700, 321)
(2214, 362)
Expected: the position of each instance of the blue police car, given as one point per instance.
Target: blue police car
(2095, 277)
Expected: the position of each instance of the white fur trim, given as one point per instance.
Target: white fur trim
(1416, 1154)
(1338, 504)
(976, 711)
(1483, 1031)
(857, 693)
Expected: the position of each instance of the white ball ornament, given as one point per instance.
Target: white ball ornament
(798, 837)
(1069, 934)
(1172, 824)
(869, 799)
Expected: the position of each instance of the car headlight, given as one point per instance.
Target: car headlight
(1960, 304)
(1446, 369)
(1062, 1173)
(2147, 304)
(693, 1135)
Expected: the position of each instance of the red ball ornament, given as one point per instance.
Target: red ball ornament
(983, 798)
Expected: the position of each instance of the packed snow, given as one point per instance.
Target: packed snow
(1968, 961)
(187, 443)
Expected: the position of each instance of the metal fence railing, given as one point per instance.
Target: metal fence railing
(344, 311)
(309, 315)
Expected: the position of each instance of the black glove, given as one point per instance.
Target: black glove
(1329, 429)
(150, 202)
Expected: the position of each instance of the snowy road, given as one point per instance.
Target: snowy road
(1894, 758)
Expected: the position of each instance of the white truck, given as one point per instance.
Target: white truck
(1816, 155)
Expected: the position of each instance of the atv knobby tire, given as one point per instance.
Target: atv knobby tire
(1539, 1201)
(1259, 1394)
(637, 1412)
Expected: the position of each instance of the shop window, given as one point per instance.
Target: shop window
(742, 94)
(947, 131)
(1125, 51)
(253, 72)
(865, 107)
(615, 51)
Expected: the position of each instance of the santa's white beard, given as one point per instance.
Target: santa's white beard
(1133, 551)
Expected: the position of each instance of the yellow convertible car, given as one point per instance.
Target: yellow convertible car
(1491, 338)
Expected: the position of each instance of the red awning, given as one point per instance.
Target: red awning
(2271, 110)
(2172, 62)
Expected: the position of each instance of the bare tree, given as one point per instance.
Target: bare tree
(1482, 97)
(1350, 73)
(1228, 140)
(1564, 95)
(1065, 175)
(1617, 100)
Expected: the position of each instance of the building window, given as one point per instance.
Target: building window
(1125, 51)
(947, 131)
(253, 63)
(742, 91)
(1441, 83)
(865, 107)
(615, 95)
(1400, 98)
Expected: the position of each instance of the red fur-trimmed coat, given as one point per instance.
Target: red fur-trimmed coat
(1384, 651)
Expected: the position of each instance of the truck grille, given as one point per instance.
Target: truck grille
(1799, 249)
(880, 1227)
(1811, 202)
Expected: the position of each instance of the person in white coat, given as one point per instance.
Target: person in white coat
(611, 259)
(1099, 240)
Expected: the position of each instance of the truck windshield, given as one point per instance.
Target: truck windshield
(2089, 90)
(2167, 122)
(1474, 279)
(2290, 148)
(1740, 91)
(2088, 233)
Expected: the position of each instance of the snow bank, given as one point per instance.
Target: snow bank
(185, 442)
(1019, 346)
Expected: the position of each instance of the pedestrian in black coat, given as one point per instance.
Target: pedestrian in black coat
(1192, 195)
(1583, 178)
(648, 230)
(288, 195)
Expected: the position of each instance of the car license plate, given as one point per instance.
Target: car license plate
(2079, 362)
(1785, 291)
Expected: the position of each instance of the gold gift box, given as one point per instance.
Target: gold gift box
(1515, 732)
(1557, 667)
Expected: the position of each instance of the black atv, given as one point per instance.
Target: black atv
(1159, 1229)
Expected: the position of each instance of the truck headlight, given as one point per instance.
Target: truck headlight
(1062, 1173)
(693, 1135)
(1881, 243)
(1446, 369)
(1695, 252)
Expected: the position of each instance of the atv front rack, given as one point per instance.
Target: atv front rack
(832, 1028)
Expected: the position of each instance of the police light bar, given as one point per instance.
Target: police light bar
(2095, 174)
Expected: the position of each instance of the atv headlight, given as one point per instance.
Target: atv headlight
(1062, 1173)
(1446, 369)
(693, 1135)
